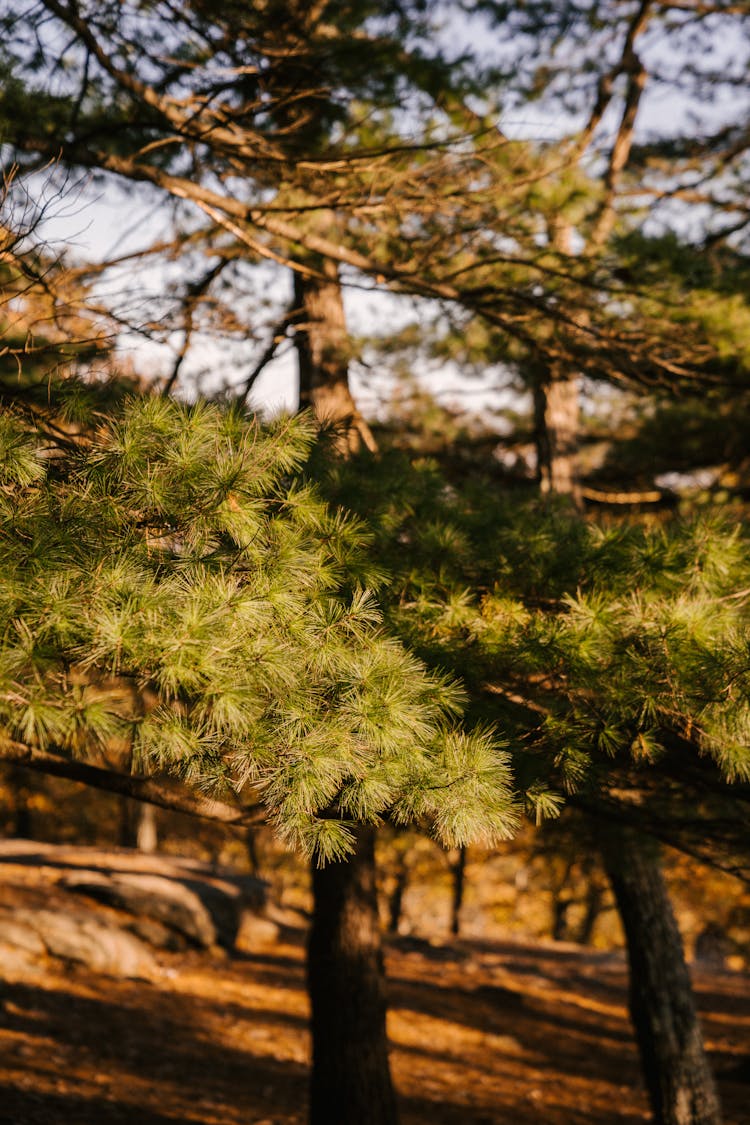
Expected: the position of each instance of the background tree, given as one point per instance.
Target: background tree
(610, 662)
(272, 129)
(384, 170)
(630, 274)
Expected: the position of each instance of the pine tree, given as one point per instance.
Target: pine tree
(172, 559)
(504, 249)
(613, 658)
(173, 586)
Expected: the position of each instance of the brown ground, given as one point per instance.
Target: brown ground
(482, 1035)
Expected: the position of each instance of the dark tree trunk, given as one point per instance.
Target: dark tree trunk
(556, 428)
(21, 821)
(560, 908)
(562, 900)
(458, 870)
(253, 852)
(662, 1006)
(351, 1079)
(126, 823)
(323, 350)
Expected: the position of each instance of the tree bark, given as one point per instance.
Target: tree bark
(351, 1079)
(323, 350)
(662, 1007)
(556, 428)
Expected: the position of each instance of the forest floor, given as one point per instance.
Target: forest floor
(481, 1034)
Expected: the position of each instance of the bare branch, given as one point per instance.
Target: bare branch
(164, 794)
(277, 336)
(620, 154)
(194, 294)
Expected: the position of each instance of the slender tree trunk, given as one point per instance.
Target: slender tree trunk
(253, 854)
(21, 823)
(560, 908)
(662, 1006)
(557, 413)
(138, 826)
(351, 1080)
(396, 897)
(125, 827)
(146, 834)
(556, 427)
(323, 350)
(458, 870)
(594, 903)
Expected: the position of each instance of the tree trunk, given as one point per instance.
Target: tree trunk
(146, 834)
(396, 897)
(458, 871)
(662, 1006)
(560, 908)
(21, 821)
(138, 826)
(323, 350)
(557, 414)
(351, 1079)
(253, 852)
(556, 428)
(594, 904)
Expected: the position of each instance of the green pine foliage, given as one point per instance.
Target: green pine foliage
(173, 588)
(599, 648)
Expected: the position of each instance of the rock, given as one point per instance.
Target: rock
(158, 935)
(150, 896)
(15, 932)
(97, 944)
(167, 902)
(16, 961)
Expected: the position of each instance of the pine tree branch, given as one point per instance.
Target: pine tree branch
(518, 699)
(620, 154)
(195, 293)
(605, 87)
(164, 794)
(278, 334)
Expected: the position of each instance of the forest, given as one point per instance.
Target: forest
(439, 666)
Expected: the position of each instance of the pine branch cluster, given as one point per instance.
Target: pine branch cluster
(175, 590)
(599, 650)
